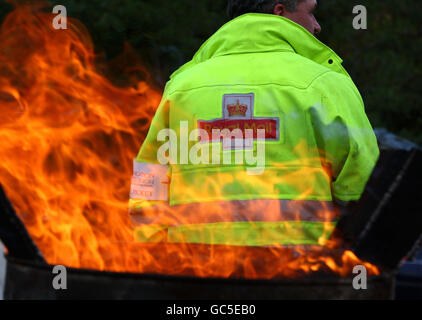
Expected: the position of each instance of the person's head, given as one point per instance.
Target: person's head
(299, 11)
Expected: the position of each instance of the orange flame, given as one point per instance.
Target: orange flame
(68, 137)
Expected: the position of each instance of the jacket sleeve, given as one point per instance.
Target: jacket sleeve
(150, 180)
(344, 135)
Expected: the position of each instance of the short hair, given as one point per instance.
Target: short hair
(236, 8)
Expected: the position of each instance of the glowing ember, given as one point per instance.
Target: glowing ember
(68, 137)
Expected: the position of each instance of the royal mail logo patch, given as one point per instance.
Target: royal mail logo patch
(238, 113)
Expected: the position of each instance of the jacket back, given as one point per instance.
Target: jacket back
(258, 74)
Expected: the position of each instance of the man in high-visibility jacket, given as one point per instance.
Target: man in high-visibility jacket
(256, 137)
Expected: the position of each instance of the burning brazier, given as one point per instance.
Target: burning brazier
(363, 228)
(66, 155)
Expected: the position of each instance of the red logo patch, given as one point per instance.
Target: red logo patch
(238, 114)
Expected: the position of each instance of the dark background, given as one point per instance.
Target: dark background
(385, 60)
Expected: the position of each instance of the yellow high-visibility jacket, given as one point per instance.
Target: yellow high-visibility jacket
(309, 142)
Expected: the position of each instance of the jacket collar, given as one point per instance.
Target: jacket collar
(255, 32)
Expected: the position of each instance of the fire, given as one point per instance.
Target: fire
(68, 137)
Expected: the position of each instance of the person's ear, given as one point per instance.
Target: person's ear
(279, 9)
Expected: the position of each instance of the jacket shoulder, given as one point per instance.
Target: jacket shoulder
(333, 82)
(184, 67)
(307, 72)
(282, 68)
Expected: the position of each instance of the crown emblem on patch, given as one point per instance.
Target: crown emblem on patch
(237, 109)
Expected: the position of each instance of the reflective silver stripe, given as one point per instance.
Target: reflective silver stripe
(238, 211)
